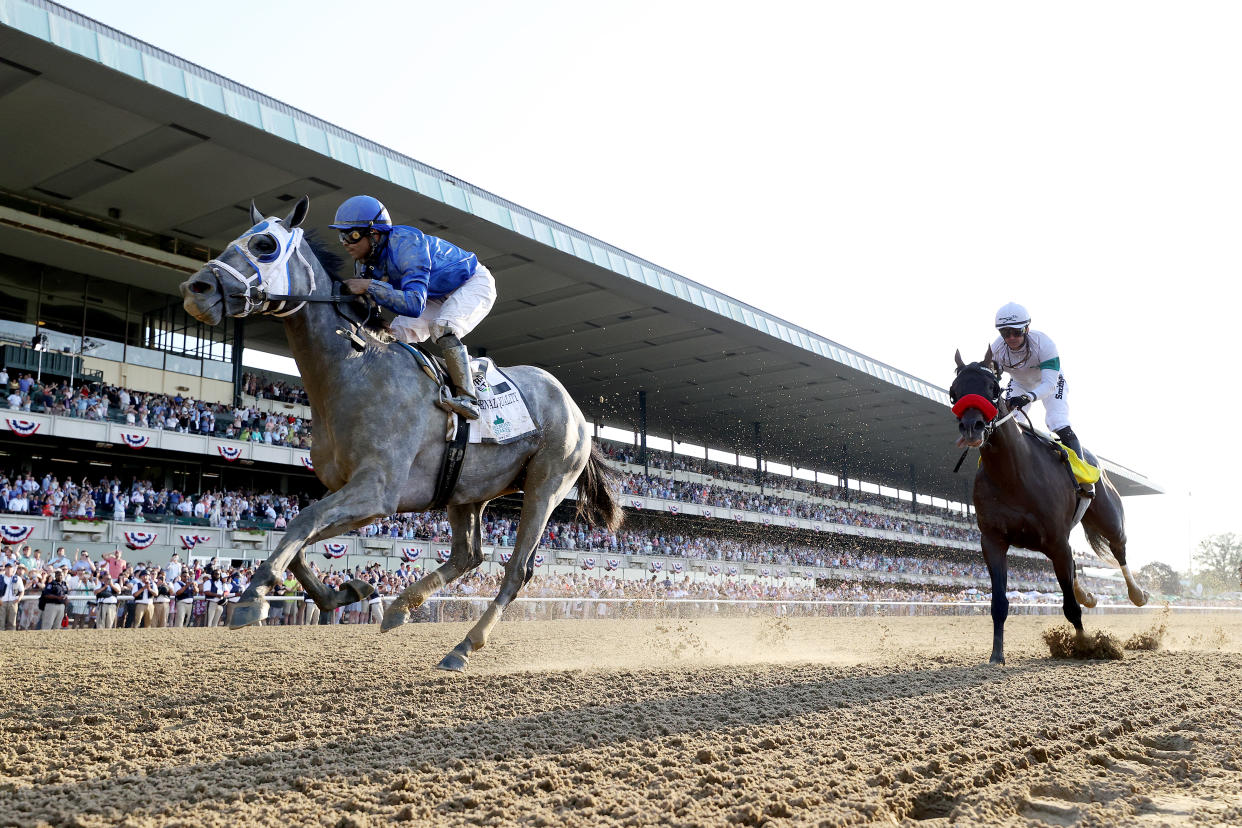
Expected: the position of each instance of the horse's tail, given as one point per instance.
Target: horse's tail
(596, 503)
(1099, 543)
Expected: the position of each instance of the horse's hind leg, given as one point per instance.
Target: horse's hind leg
(1103, 523)
(537, 507)
(466, 554)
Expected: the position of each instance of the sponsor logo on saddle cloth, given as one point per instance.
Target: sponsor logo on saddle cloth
(503, 416)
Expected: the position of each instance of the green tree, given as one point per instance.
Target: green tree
(1160, 577)
(1220, 561)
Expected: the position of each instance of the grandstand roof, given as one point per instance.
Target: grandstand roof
(113, 124)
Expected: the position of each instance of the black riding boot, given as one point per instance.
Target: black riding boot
(1070, 440)
(457, 361)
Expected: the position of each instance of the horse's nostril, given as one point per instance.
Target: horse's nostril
(201, 287)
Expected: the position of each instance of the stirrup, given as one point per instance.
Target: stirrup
(1086, 491)
(464, 406)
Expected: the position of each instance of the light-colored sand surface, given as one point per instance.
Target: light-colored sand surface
(833, 721)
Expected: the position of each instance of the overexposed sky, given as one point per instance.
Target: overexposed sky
(886, 174)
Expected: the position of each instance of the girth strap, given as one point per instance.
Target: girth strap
(450, 467)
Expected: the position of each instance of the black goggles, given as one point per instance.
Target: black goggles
(354, 235)
(1010, 333)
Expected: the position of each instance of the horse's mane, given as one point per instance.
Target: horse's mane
(327, 256)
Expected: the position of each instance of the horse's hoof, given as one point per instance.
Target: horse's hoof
(1141, 600)
(248, 614)
(394, 618)
(999, 661)
(454, 661)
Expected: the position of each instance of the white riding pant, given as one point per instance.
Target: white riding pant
(1056, 405)
(458, 313)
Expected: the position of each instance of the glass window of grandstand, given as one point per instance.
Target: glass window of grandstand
(101, 317)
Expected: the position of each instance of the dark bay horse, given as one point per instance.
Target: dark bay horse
(1024, 497)
(379, 438)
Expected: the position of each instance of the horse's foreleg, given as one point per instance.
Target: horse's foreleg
(994, 551)
(354, 505)
(464, 556)
(536, 510)
(324, 596)
(1063, 565)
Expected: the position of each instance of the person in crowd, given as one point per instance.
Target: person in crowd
(52, 602)
(144, 596)
(12, 588)
(106, 598)
(159, 604)
(186, 589)
(215, 592)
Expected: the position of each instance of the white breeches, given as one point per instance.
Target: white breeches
(1056, 405)
(458, 313)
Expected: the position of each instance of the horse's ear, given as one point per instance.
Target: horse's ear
(299, 212)
(255, 215)
(957, 357)
(987, 358)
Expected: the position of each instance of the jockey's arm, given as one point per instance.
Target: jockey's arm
(409, 268)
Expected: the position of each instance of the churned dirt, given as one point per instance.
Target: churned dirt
(747, 721)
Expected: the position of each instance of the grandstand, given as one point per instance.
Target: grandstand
(814, 457)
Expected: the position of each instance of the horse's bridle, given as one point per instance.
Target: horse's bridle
(275, 266)
(989, 408)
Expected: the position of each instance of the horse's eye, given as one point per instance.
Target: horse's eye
(262, 245)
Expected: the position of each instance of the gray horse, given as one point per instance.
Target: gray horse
(379, 438)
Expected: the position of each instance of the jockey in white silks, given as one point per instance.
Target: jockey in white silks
(438, 291)
(1034, 367)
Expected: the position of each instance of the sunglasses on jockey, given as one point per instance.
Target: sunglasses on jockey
(1012, 333)
(354, 235)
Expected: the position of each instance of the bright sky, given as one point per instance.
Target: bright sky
(886, 174)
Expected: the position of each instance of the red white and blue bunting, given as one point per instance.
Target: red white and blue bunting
(135, 440)
(229, 453)
(23, 427)
(731, 570)
(588, 563)
(636, 503)
(506, 555)
(678, 566)
(714, 569)
(410, 554)
(140, 540)
(306, 461)
(442, 555)
(672, 507)
(188, 542)
(767, 521)
(14, 533)
(707, 513)
(538, 559)
(765, 572)
(737, 515)
(335, 549)
(780, 573)
(817, 527)
(656, 566)
(611, 564)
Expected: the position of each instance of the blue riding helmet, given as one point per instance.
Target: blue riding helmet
(362, 211)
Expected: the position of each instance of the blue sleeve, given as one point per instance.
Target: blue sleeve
(408, 265)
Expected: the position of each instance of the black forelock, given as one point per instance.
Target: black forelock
(327, 256)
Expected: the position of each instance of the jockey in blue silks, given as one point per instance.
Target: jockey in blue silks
(438, 291)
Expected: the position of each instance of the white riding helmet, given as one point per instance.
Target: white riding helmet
(1012, 315)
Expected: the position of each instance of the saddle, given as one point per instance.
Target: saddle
(1078, 468)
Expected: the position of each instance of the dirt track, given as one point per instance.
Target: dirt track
(829, 721)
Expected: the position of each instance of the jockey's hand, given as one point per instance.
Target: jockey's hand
(357, 286)
(1020, 401)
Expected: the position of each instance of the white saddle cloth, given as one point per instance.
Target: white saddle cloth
(503, 416)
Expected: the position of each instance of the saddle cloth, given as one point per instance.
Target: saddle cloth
(1083, 471)
(503, 416)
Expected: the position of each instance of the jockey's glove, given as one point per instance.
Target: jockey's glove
(1020, 401)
